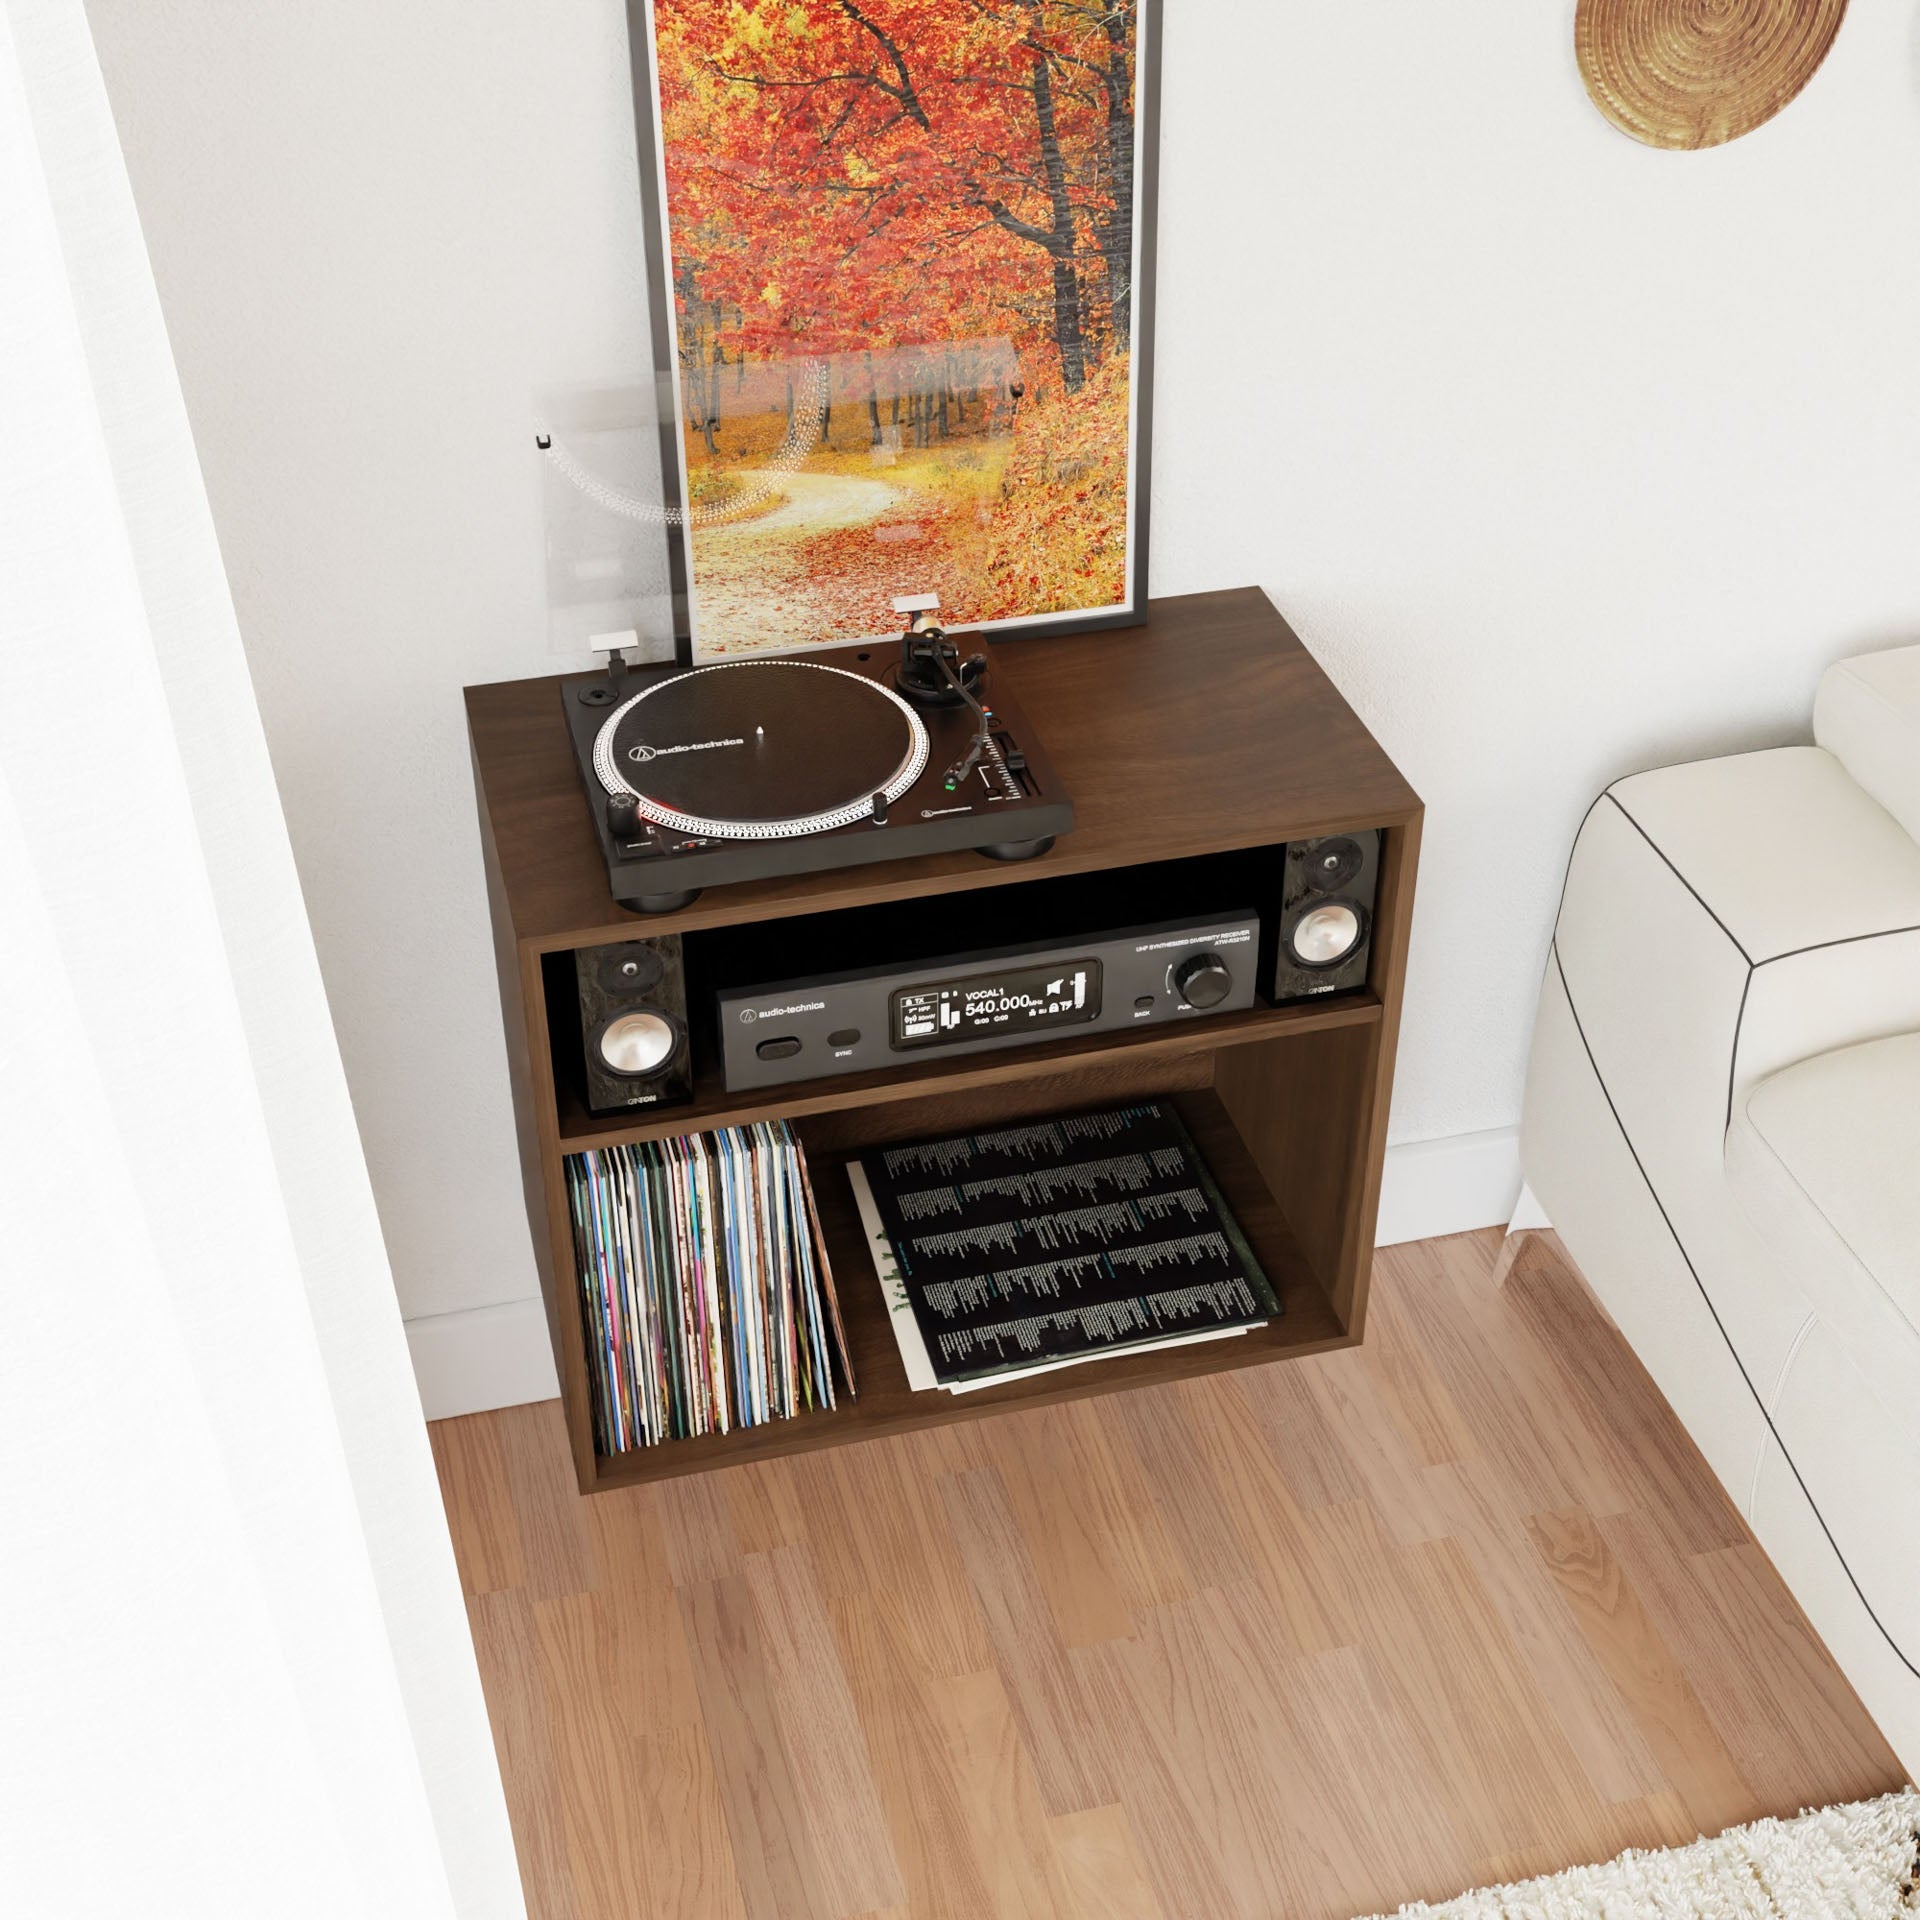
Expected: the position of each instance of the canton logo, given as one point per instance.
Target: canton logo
(643, 753)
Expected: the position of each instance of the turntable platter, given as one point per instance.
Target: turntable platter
(761, 749)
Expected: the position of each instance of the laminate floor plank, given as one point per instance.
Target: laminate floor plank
(1805, 1708)
(831, 1771)
(1100, 1867)
(916, 1771)
(1587, 1705)
(595, 1753)
(1510, 1387)
(1352, 1409)
(1406, 1380)
(472, 1466)
(1095, 1470)
(1487, 1734)
(774, 1851)
(1161, 1426)
(1027, 1649)
(1771, 1691)
(1649, 1451)
(1311, 1457)
(1057, 1495)
(1618, 1626)
(1002, 1796)
(1307, 1614)
(877, 1524)
(696, 1529)
(1293, 1643)
(1190, 1760)
(684, 1845)
(554, 1547)
(508, 1651)
(642, 1643)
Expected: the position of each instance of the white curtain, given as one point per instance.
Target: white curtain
(235, 1674)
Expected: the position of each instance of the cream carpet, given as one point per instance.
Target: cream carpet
(1860, 1862)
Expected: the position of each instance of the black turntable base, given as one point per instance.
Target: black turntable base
(697, 776)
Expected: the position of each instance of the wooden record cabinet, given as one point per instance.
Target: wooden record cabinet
(1195, 745)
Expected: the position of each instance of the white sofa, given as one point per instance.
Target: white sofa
(1723, 1121)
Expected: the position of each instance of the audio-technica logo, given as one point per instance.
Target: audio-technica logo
(644, 753)
(748, 1015)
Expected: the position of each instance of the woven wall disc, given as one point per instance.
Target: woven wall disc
(1695, 73)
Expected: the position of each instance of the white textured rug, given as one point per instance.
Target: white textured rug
(1860, 1862)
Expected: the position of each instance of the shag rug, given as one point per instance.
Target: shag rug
(1860, 1862)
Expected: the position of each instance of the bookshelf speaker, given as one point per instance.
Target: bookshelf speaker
(1326, 915)
(633, 1024)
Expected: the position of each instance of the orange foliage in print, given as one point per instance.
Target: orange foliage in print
(934, 199)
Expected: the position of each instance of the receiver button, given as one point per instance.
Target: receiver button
(783, 1048)
(1144, 1004)
(844, 1037)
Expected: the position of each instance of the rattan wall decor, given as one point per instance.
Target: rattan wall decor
(1697, 73)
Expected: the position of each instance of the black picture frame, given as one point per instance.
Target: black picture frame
(663, 326)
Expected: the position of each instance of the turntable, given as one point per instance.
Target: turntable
(742, 769)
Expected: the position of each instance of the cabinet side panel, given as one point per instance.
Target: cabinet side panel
(1392, 933)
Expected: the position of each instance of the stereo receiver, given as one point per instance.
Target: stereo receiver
(972, 1002)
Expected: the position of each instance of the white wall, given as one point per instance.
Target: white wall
(231, 1614)
(1565, 456)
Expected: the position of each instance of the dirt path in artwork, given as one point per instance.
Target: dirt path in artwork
(818, 501)
(760, 596)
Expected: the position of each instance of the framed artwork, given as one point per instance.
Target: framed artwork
(901, 268)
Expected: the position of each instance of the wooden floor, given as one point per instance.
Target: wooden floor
(1306, 1640)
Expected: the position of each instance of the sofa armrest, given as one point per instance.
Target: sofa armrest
(1726, 918)
(1867, 715)
(1703, 945)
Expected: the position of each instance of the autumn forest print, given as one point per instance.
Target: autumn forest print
(902, 238)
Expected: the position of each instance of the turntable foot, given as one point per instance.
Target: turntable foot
(1017, 849)
(661, 902)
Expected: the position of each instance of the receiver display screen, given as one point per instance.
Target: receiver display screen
(1065, 993)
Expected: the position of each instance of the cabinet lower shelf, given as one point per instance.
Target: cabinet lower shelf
(886, 1404)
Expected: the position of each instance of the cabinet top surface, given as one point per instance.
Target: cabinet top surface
(1207, 728)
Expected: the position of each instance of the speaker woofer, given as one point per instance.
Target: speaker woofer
(1323, 936)
(637, 1046)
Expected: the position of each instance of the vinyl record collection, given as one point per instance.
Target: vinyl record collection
(709, 1300)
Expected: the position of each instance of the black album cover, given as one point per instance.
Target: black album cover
(1022, 1245)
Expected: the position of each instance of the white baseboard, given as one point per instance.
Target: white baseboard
(482, 1357)
(1431, 1187)
(499, 1356)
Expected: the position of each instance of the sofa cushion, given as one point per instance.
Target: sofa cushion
(1867, 715)
(1824, 1157)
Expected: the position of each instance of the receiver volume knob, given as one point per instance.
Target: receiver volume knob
(1203, 980)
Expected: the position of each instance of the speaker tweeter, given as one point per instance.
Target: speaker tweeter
(1326, 915)
(633, 1024)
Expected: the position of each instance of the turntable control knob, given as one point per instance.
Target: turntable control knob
(1203, 980)
(623, 816)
